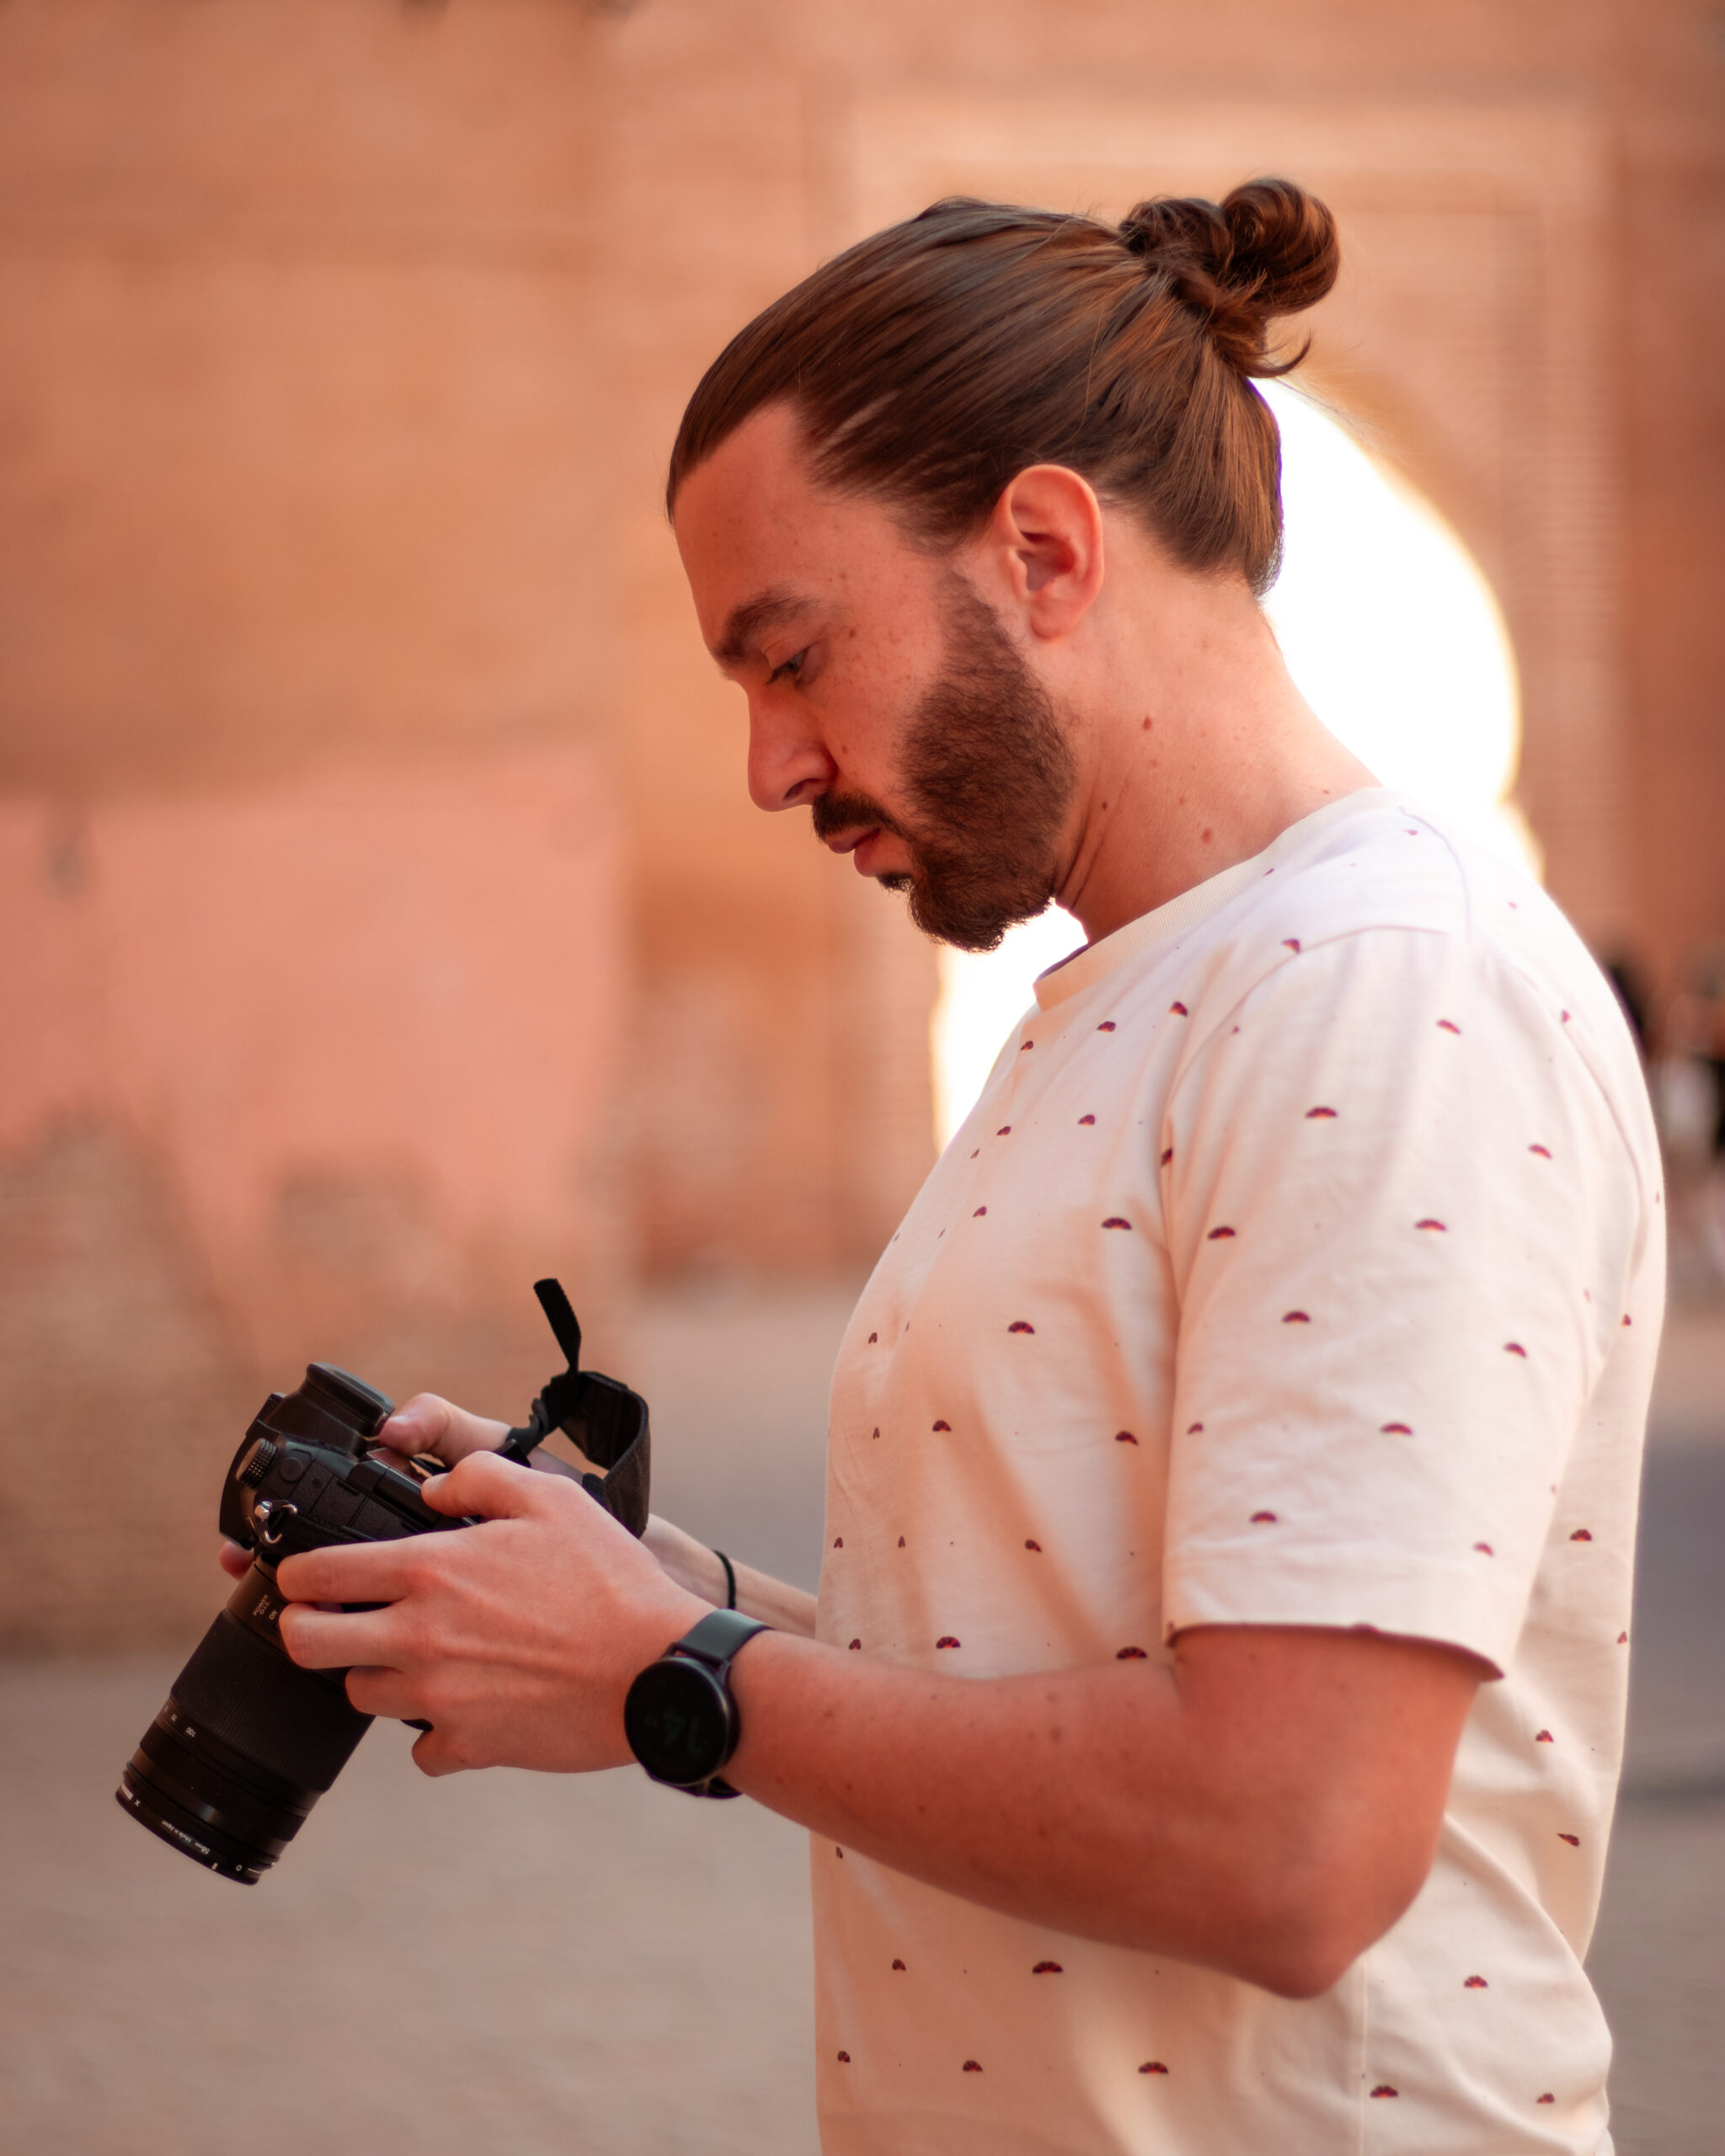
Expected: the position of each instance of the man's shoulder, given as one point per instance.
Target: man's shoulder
(1388, 872)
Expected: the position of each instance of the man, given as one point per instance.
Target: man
(1210, 1717)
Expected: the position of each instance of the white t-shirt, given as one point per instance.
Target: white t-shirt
(1301, 1263)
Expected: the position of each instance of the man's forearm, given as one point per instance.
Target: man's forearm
(1221, 1810)
(693, 1566)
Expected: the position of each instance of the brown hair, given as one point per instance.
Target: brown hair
(934, 360)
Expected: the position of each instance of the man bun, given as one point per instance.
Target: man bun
(931, 361)
(1269, 249)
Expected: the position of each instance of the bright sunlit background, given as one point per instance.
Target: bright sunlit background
(1397, 641)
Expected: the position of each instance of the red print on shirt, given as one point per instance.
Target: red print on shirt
(1036, 1546)
(1296, 1317)
(1125, 1437)
(1021, 1325)
(898, 1964)
(1106, 1026)
(979, 1213)
(1545, 1736)
(1167, 1155)
(1152, 2066)
(1048, 1969)
(1515, 1348)
(1573, 1840)
(1436, 1225)
(972, 2066)
(1083, 1119)
(1474, 1983)
(1542, 1152)
(1130, 1654)
(1178, 1011)
(1263, 1520)
(1396, 1430)
(1115, 1220)
(1005, 1131)
(946, 1640)
(1384, 2089)
(1219, 1235)
(1290, 942)
(942, 1425)
(1485, 1548)
(1447, 1025)
(1581, 1534)
(1320, 1115)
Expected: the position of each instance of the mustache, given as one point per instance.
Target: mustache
(834, 812)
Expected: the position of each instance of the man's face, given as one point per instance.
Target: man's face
(884, 693)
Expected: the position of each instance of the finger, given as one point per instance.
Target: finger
(381, 1691)
(427, 1423)
(493, 1488)
(435, 1755)
(353, 1571)
(233, 1559)
(326, 1639)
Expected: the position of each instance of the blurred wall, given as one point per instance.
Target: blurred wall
(384, 918)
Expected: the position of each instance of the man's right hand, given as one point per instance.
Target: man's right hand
(428, 1423)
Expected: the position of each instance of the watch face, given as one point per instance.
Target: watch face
(678, 1719)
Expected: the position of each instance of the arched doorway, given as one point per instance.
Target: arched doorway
(1393, 635)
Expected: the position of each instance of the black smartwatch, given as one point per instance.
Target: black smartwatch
(680, 1718)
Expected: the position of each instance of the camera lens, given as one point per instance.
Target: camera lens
(245, 1744)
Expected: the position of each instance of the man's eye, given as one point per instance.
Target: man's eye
(791, 667)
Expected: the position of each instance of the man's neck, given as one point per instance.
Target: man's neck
(1197, 750)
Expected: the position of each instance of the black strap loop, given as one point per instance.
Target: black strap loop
(607, 1422)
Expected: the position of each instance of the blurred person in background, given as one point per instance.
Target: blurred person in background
(1210, 1717)
(1693, 1098)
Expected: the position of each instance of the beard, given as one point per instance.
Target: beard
(988, 776)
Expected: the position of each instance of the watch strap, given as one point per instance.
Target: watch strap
(717, 1637)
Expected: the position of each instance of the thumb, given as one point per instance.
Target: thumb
(427, 1423)
(493, 1488)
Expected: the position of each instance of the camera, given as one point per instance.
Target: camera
(247, 1741)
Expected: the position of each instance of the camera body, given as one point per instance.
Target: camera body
(306, 1475)
(247, 1741)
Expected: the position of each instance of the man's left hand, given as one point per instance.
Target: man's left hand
(515, 1638)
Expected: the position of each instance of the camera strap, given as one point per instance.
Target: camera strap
(606, 1422)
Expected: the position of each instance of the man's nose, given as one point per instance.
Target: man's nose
(788, 765)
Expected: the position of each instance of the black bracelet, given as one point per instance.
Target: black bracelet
(730, 1579)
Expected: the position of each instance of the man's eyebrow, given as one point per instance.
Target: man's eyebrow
(750, 621)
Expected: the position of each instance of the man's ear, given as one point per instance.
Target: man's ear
(1045, 535)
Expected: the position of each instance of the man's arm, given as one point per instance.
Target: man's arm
(1268, 1804)
(428, 1423)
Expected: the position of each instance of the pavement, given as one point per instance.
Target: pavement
(519, 1965)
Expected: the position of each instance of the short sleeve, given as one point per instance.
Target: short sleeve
(1401, 1216)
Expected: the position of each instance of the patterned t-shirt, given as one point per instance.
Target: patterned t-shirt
(1302, 1263)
